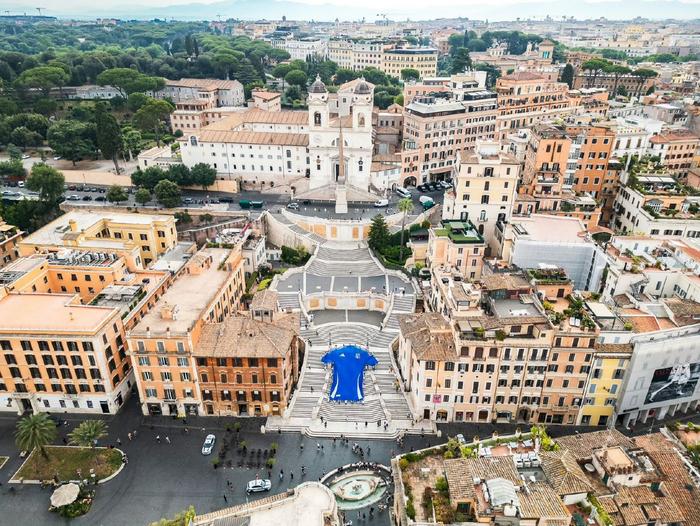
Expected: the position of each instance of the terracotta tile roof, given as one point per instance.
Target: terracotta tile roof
(264, 299)
(663, 138)
(523, 75)
(258, 116)
(205, 84)
(461, 472)
(642, 323)
(679, 485)
(614, 348)
(564, 473)
(266, 95)
(430, 336)
(505, 282)
(540, 501)
(583, 445)
(240, 336)
(685, 312)
(248, 137)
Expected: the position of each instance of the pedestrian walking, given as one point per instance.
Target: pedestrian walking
(367, 450)
(65, 441)
(325, 424)
(281, 474)
(134, 433)
(167, 439)
(158, 438)
(365, 423)
(225, 498)
(119, 441)
(318, 446)
(129, 436)
(301, 446)
(291, 475)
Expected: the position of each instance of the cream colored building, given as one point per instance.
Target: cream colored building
(484, 188)
(456, 245)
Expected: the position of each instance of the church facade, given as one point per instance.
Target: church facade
(292, 151)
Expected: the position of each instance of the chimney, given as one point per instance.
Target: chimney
(148, 332)
(167, 312)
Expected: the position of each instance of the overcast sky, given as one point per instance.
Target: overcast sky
(355, 9)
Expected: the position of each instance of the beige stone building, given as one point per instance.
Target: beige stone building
(457, 246)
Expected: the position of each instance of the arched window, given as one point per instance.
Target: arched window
(239, 378)
(193, 140)
(317, 118)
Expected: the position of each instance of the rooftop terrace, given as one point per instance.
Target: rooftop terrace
(459, 232)
(188, 296)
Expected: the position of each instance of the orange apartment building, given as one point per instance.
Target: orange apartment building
(597, 172)
(59, 355)
(248, 365)
(526, 99)
(10, 235)
(163, 343)
(677, 150)
(546, 157)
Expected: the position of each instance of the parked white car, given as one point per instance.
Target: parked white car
(208, 445)
(258, 485)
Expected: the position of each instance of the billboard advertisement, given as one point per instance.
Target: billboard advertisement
(670, 383)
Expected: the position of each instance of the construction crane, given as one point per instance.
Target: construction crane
(39, 9)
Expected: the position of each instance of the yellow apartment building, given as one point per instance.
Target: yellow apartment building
(604, 384)
(424, 60)
(140, 238)
(58, 355)
(161, 344)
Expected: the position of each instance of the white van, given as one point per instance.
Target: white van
(382, 203)
(403, 192)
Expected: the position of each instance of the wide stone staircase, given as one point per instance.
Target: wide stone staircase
(310, 409)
